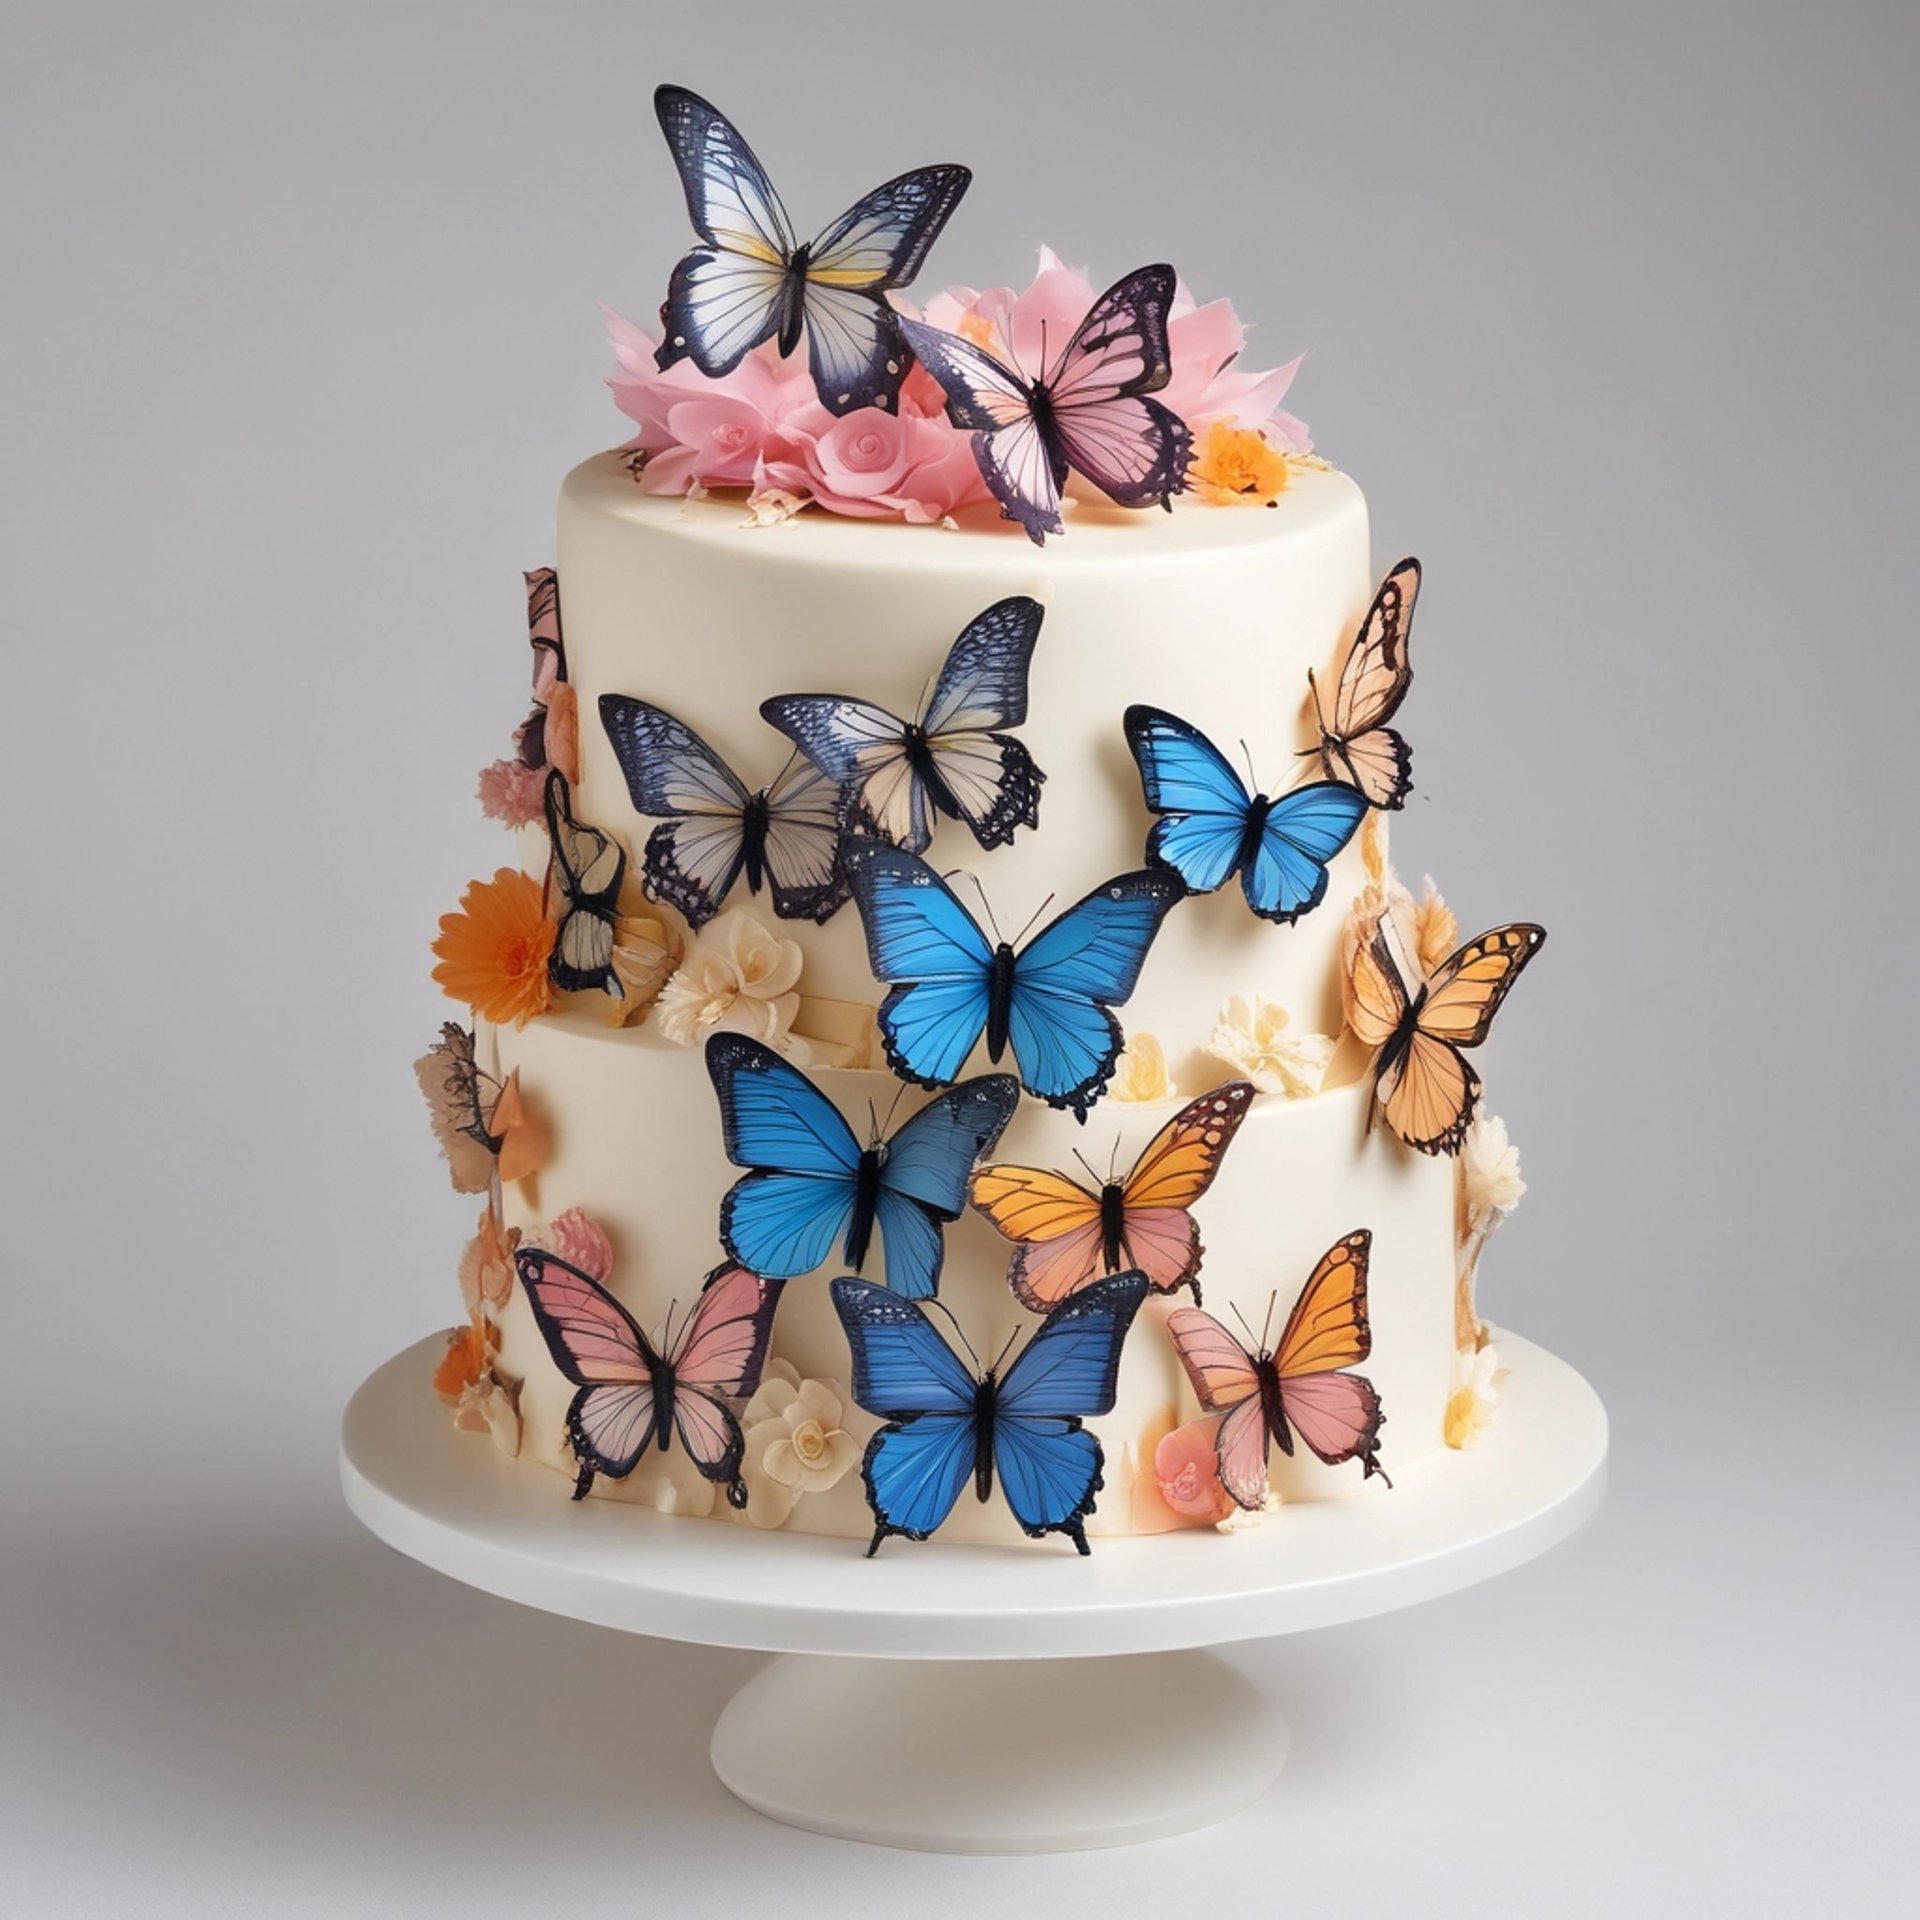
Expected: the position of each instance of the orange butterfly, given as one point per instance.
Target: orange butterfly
(1423, 1082)
(1359, 747)
(1067, 1235)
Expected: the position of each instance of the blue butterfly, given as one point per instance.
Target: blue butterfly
(753, 281)
(1050, 1000)
(953, 758)
(810, 1183)
(945, 1425)
(1211, 825)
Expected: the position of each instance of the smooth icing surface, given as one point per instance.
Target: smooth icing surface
(1214, 613)
(636, 1143)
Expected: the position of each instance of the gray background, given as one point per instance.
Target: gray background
(1611, 310)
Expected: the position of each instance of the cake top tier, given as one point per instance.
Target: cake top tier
(798, 372)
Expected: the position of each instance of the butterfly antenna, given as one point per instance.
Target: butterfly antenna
(1319, 717)
(1266, 1325)
(959, 1332)
(986, 905)
(1031, 918)
(1253, 779)
(893, 1106)
(666, 1332)
(1085, 1162)
(1244, 1328)
(1000, 1359)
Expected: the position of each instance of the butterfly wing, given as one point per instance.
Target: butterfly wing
(1055, 1225)
(1303, 830)
(923, 1179)
(862, 748)
(718, 1358)
(695, 856)
(591, 866)
(1202, 802)
(924, 943)
(595, 1344)
(1132, 448)
(1162, 1239)
(1358, 745)
(1226, 1381)
(804, 872)
(1376, 998)
(796, 1200)
(1065, 1039)
(989, 776)
(1337, 1414)
(728, 296)
(1021, 462)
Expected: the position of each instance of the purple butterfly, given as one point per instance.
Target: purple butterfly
(1087, 411)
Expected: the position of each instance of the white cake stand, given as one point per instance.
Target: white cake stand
(970, 1699)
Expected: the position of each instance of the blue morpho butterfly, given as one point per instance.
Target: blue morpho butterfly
(811, 1184)
(948, 1423)
(1211, 826)
(955, 757)
(1050, 1001)
(752, 280)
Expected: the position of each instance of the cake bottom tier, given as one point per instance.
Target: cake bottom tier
(636, 1145)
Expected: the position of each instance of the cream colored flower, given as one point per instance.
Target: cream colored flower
(1436, 933)
(1490, 1170)
(646, 949)
(737, 976)
(490, 1405)
(1141, 1071)
(1373, 846)
(769, 506)
(668, 1483)
(1254, 1038)
(797, 1443)
(1477, 1374)
(1242, 1518)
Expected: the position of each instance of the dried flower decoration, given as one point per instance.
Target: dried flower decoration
(1373, 847)
(493, 952)
(577, 1239)
(469, 1352)
(1490, 1189)
(511, 792)
(737, 976)
(1140, 1073)
(1243, 1518)
(1254, 1036)
(646, 950)
(797, 1443)
(490, 1405)
(1237, 467)
(523, 1140)
(1435, 931)
(459, 1104)
(486, 1267)
(1477, 1375)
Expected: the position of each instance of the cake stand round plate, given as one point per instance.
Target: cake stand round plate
(976, 1699)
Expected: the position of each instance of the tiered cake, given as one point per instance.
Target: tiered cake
(701, 911)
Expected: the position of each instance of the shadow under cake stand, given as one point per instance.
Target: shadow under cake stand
(974, 1699)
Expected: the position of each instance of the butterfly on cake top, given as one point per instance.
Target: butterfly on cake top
(977, 397)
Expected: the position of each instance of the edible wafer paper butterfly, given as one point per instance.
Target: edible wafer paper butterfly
(948, 1423)
(1269, 1396)
(1211, 826)
(634, 1395)
(1066, 1236)
(1050, 1001)
(1085, 410)
(1357, 745)
(482, 1123)
(589, 866)
(954, 758)
(786, 836)
(753, 281)
(549, 662)
(811, 1183)
(1425, 1085)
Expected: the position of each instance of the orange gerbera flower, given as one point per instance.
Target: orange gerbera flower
(493, 952)
(1235, 467)
(465, 1359)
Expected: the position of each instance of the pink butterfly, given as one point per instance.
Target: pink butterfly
(632, 1395)
(1087, 410)
(1266, 1398)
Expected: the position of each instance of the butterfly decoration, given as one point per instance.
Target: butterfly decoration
(1211, 827)
(1050, 1002)
(752, 280)
(1359, 747)
(1066, 1235)
(634, 1395)
(589, 866)
(1423, 1083)
(1085, 411)
(785, 837)
(810, 1183)
(482, 1123)
(549, 663)
(947, 1423)
(1268, 1397)
(955, 757)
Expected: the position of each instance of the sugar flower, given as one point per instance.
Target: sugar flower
(797, 1443)
(1477, 1374)
(469, 1351)
(646, 949)
(521, 1138)
(1180, 1487)
(1373, 846)
(490, 1405)
(450, 1080)
(1141, 1071)
(512, 792)
(1237, 467)
(1243, 1518)
(493, 952)
(737, 976)
(578, 1240)
(1490, 1169)
(486, 1267)
(1254, 1036)
(1436, 933)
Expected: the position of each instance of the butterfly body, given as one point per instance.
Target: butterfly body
(947, 1424)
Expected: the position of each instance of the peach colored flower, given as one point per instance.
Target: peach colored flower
(1186, 1469)
(1490, 1169)
(1477, 1374)
(490, 1405)
(469, 1349)
(578, 1240)
(486, 1266)
(1436, 933)
(1373, 846)
(493, 952)
(737, 976)
(512, 792)
(646, 949)
(1141, 1071)
(563, 730)
(1235, 467)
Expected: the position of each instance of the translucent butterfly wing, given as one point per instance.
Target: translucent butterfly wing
(1202, 802)
(592, 867)
(730, 199)
(1287, 876)
(923, 1177)
(1226, 1381)
(1054, 1223)
(803, 844)
(982, 690)
(1465, 991)
(1337, 1414)
(723, 1347)
(1357, 745)
(1070, 1368)
(902, 1368)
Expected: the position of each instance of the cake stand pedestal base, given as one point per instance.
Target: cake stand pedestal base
(1000, 1756)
